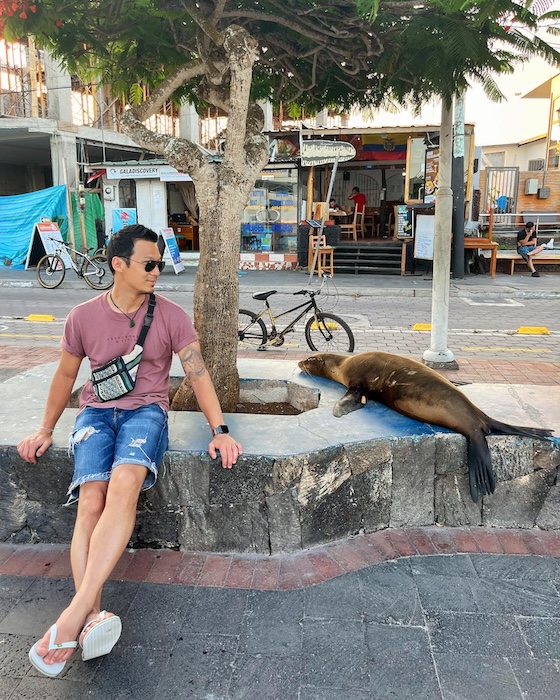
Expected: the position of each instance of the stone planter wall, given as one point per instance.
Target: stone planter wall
(270, 505)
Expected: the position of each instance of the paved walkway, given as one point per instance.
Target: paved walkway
(434, 614)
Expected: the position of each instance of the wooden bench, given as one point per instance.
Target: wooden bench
(513, 258)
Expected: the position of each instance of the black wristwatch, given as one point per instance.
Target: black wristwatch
(220, 430)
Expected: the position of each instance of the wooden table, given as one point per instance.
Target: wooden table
(185, 234)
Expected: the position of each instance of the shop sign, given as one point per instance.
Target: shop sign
(137, 172)
(167, 173)
(431, 176)
(322, 152)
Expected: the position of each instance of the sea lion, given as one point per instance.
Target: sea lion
(416, 391)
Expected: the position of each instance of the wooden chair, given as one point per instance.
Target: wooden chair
(319, 210)
(371, 221)
(325, 257)
(352, 228)
(486, 243)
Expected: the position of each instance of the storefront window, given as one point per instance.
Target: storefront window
(554, 143)
(127, 194)
(270, 219)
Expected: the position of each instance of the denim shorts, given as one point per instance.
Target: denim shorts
(103, 438)
(524, 250)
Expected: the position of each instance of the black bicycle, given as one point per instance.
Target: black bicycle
(94, 270)
(324, 332)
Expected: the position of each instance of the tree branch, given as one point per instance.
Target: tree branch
(167, 87)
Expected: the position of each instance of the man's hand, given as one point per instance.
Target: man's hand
(229, 449)
(34, 446)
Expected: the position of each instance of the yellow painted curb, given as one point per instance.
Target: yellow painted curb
(533, 330)
(422, 327)
(40, 317)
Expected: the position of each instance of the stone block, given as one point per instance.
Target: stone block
(512, 456)
(49, 523)
(371, 454)
(302, 397)
(451, 453)
(225, 528)
(284, 522)
(337, 514)
(47, 481)
(156, 530)
(412, 491)
(546, 455)
(453, 503)
(549, 517)
(286, 472)
(372, 492)
(248, 481)
(518, 502)
(183, 480)
(322, 474)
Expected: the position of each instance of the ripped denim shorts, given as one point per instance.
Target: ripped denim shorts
(103, 438)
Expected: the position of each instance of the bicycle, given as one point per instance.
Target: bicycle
(94, 270)
(324, 332)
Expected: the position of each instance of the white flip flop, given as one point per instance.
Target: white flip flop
(51, 670)
(100, 635)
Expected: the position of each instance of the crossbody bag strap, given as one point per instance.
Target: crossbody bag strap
(147, 320)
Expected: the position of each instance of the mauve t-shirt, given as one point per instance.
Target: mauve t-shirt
(95, 331)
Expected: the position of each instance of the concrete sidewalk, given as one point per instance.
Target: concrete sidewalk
(521, 284)
(413, 614)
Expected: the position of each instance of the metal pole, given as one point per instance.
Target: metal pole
(439, 355)
(325, 212)
(458, 187)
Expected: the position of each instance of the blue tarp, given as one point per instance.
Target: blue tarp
(19, 214)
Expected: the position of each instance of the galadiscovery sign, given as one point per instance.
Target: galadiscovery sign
(321, 152)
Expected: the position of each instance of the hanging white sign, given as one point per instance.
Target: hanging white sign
(321, 152)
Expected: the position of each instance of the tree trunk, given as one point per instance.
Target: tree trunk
(221, 201)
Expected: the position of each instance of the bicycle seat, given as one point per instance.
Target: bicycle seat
(263, 296)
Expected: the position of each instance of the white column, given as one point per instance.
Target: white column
(321, 118)
(188, 123)
(64, 160)
(59, 90)
(439, 355)
(267, 111)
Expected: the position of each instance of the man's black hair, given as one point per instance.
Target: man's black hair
(529, 225)
(121, 244)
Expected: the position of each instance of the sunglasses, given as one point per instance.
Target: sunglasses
(149, 265)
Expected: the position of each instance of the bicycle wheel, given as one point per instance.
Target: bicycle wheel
(250, 328)
(97, 272)
(50, 271)
(329, 333)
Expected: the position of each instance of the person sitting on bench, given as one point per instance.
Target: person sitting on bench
(527, 245)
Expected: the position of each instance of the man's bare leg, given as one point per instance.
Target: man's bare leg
(108, 541)
(91, 504)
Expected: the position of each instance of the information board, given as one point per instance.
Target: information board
(46, 239)
(424, 237)
(403, 218)
(431, 170)
(172, 249)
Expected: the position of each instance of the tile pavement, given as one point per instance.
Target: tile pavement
(426, 613)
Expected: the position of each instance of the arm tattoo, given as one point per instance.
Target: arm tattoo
(193, 364)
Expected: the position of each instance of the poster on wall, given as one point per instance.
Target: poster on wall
(403, 217)
(431, 176)
(123, 217)
(424, 237)
(46, 239)
(172, 249)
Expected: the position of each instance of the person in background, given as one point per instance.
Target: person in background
(359, 199)
(527, 245)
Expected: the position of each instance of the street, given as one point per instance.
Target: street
(479, 328)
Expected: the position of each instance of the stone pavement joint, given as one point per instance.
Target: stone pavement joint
(285, 572)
